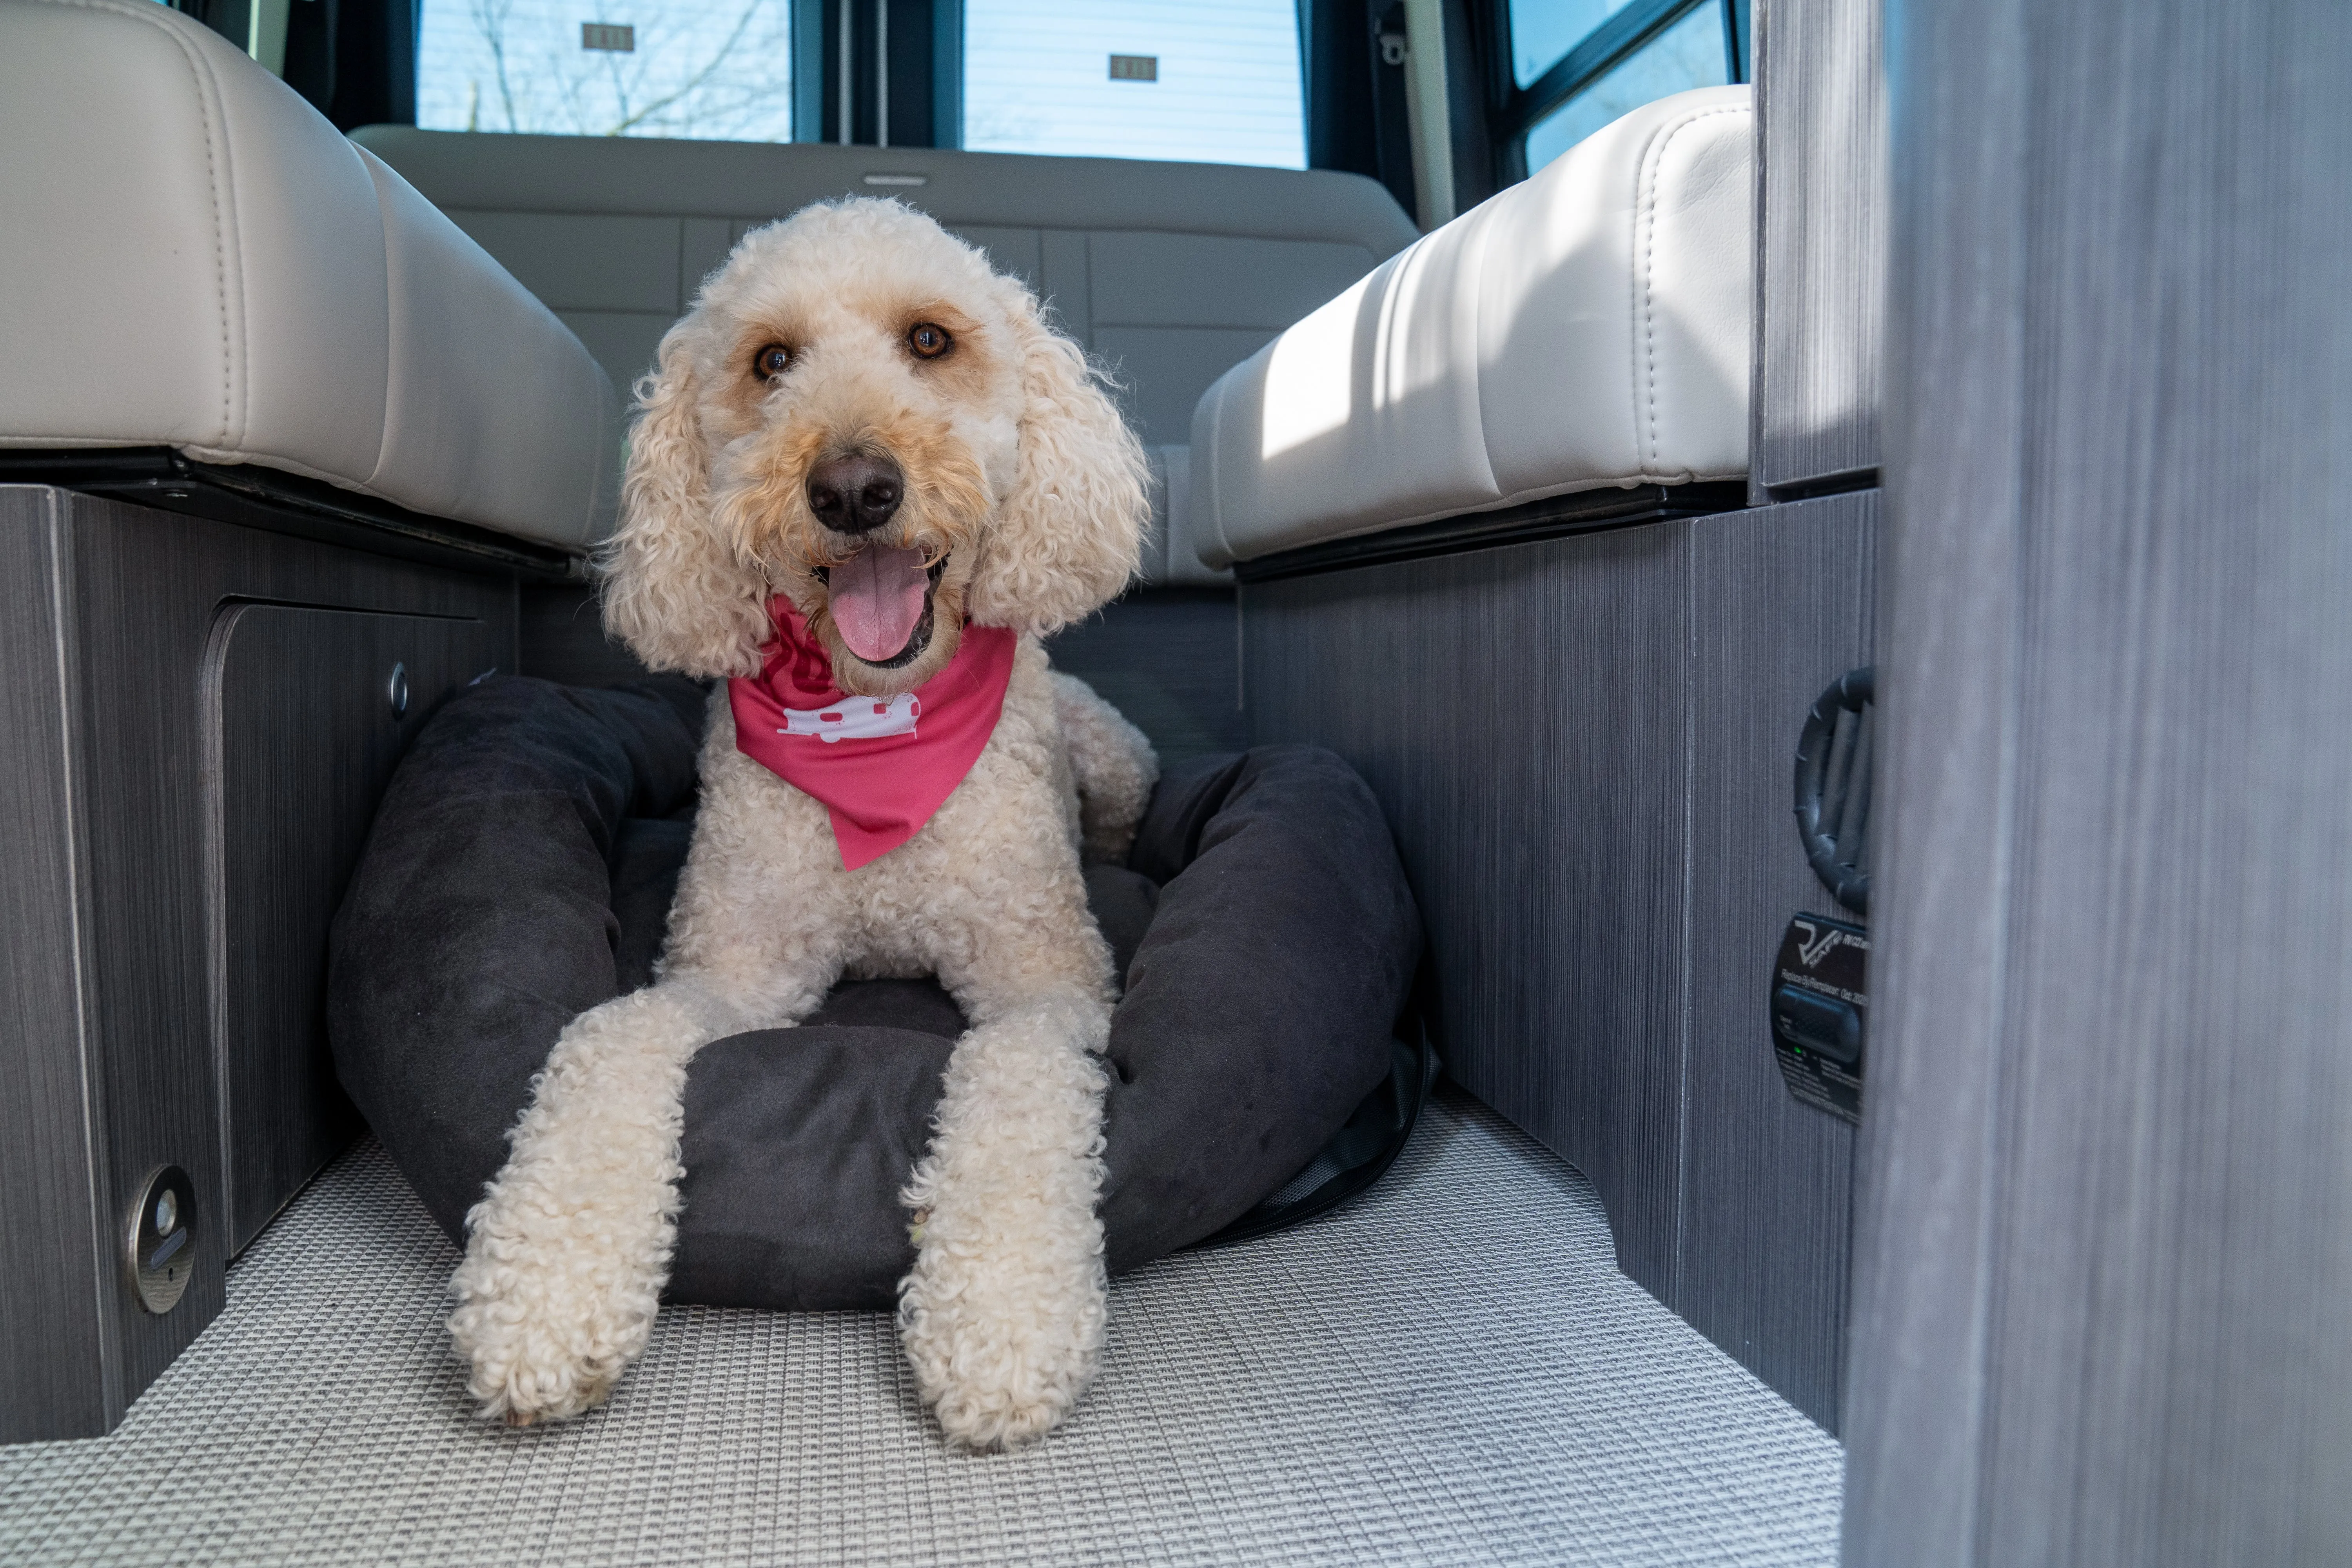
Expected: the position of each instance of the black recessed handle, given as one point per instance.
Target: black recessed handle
(1836, 831)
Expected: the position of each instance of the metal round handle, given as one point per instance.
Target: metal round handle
(396, 689)
(159, 1250)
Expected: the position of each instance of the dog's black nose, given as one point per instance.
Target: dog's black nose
(854, 495)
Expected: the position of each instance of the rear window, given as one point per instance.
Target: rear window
(1215, 81)
(701, 69)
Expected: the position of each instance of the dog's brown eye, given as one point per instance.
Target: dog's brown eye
(928, 340)
(772, 362)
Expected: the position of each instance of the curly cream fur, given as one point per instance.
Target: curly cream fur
(1026, 491)
(1115, 764)
(716, 466)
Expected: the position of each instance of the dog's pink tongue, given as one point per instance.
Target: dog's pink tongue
(877, 598)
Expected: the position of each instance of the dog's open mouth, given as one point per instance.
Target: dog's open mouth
(881, 604)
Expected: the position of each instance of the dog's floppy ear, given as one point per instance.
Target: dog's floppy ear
(1067, 538)
(676, 591)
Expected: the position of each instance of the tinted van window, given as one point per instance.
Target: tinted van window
(1214, 82)
(704, 69)
(1688, 54)
(1543, 31)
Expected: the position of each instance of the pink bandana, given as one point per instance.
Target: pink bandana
(881, 766)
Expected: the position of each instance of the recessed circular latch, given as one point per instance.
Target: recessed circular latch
(396, 688)
(162, 1239)
(1833, 768)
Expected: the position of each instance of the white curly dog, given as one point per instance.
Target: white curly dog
(862, 423)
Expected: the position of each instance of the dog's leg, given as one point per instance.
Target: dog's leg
(1003, 1316)
(569, 1249)
(1113, 764)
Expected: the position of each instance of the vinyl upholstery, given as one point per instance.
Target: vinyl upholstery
(196, 259)
(1586, 329)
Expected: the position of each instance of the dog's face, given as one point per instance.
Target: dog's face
(860, 415)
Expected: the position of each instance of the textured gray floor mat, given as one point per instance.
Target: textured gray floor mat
(1450, 1370)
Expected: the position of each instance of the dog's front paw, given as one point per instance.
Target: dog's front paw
(567, 1253)
(548, 1316)
(1001, 1343)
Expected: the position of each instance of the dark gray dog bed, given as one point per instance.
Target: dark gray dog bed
(520, 869)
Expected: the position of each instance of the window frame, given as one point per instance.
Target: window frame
(1512, 110)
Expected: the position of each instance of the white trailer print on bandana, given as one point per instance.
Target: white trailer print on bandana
(855, 718)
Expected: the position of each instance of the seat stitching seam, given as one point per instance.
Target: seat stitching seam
(1644, 388)
(237, 425)
(1645, 208)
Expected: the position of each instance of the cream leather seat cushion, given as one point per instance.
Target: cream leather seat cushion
(191, 257)
(1588, 328)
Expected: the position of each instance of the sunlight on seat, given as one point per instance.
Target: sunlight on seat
(1417, 350)
(1314, 374)
(1311, 380)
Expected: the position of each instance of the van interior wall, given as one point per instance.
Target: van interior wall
(1354, 66)
(1476, 51)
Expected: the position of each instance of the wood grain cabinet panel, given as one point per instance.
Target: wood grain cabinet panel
(1520, 712)
(1583, 745)
(1783, 604)
(1819, 243)
(60, 1371)
(128, 672)
(305, 735)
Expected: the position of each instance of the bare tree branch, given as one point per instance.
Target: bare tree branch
(694, 82)
(490, 17)
(683, 79)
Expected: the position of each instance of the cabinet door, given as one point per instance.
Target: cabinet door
(305, 734)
